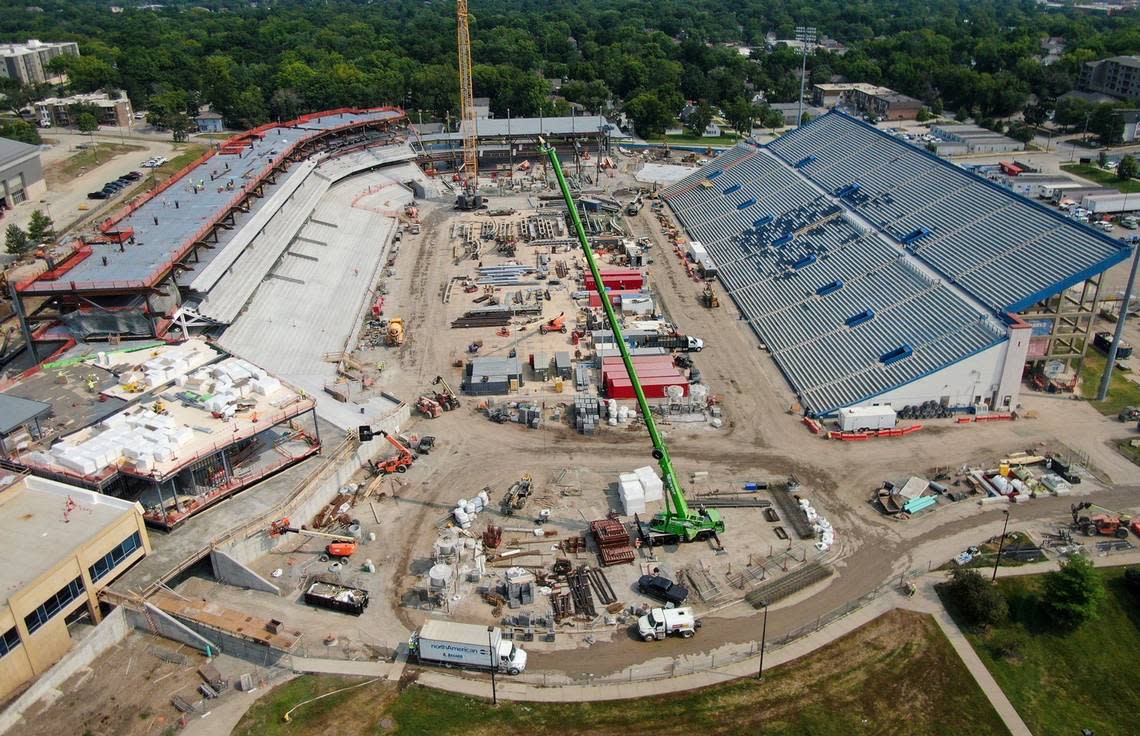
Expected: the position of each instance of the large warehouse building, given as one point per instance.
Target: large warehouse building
(876, 273)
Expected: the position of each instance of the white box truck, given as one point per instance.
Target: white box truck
(856, 418)
(660, 622)
(1113, 202)
(466, 645)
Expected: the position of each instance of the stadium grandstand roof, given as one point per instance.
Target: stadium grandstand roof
(864, 263)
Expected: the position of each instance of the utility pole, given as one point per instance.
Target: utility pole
(763, 640)
(1105, 379)
(805, 35)
(1001, 543)
(510, 144)
(494, 663)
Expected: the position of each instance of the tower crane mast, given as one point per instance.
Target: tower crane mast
(469, 198)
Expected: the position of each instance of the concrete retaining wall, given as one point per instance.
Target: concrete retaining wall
(169, 627)
(230, 571)
(111, 630)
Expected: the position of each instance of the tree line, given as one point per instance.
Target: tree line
(274, 60)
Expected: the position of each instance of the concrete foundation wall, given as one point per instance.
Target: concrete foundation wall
(230, 571)
(169, 627)
(110, 631)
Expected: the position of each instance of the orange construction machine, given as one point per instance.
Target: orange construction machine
(558, 324)
(339, 547)
(398, 464)
(1106, 524)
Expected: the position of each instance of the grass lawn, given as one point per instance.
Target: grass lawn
(1128, 450)
(1102, 177)
(84, 161)
(1014, 542)
(1060, 684)
(1121, 391)
(896, 675)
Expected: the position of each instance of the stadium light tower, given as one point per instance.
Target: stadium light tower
(806, 37)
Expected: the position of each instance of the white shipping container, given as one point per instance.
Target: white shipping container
(855, 418)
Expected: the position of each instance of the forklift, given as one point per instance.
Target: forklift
(1106, 524)
(446, 398)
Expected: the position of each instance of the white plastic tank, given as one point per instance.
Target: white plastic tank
(439, 576)
(674, 392)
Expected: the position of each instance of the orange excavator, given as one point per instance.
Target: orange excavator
(558, 324)
(340, 546)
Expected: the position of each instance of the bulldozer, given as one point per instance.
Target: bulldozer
(395, 336)
(1106, 524)
(558, 324)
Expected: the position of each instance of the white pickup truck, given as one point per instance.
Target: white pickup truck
(660, 622)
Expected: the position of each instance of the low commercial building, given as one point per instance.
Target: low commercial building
(62, 112)
(958, 139)
(27, 62)
(208, 121)
(869, 99)
(63, 544)
(21, 173)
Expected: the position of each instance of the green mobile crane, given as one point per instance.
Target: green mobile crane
(678, 523)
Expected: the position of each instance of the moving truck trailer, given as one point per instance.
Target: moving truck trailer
(855, 418)
(466, 645)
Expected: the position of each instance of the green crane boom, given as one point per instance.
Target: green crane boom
(678, 520)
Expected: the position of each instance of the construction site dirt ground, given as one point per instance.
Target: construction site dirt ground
(134, 701)
(762, 439)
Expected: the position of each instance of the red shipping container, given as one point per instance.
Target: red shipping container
(654, 387)
(661, 371)
(638, 360)
(624, 279)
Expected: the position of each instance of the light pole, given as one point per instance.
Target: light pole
(804, 35)
(763, 640)
(510, 144)
(1106, 378)
(494, 664)
(1001, 543)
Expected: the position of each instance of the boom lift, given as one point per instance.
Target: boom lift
(1106, 524)
(678, 523)
(340, 546)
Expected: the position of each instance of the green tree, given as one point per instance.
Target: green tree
(975, 599)
(648, 114)
(700, 118)
(87, 123)
(923, 116)
(741, 114)
(16, 240)
(772, 118)
(1072, 594)
(19, 130)
(40, 228)
(179, 124)
(805, 118)
(1126, 169)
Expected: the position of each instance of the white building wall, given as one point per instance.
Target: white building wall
(962, 383)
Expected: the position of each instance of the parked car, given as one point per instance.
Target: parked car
(97, 195)
(663, 589)
(1129, 414)
(1104, 225)
(131, 175)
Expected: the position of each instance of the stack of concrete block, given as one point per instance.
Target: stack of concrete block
(631, 493)
(653, 487)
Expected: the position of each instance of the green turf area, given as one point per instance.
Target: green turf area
(1061, 683)
(1014, 542)
(1101, 176)
(1121, 392)
(1129, 450)
(895, 675)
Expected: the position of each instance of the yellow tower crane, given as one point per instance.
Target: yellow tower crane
(469, 198)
